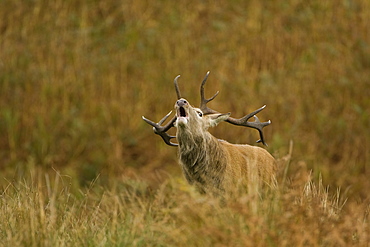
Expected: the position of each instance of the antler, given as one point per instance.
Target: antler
(177, 87)
(256, 124)
(161, 130)
(203, 101)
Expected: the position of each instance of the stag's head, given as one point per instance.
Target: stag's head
(193, 119)
(196, 121)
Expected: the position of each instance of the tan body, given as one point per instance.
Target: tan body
(209, 163)
(244, 160)
(215, 165)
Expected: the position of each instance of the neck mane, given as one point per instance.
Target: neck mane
(201, 157)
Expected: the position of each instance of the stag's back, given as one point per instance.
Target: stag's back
(246, 164)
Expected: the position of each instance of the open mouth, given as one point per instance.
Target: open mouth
(182, 117)
(181, 112)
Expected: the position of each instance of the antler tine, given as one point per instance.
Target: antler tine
(177, 87)
(256, 124)
(259, 126)
(161, 130)
(203, 101)
(248, 116)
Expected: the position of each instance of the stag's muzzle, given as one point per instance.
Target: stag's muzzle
(182, 116)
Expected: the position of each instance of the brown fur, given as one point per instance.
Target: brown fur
(213, 164)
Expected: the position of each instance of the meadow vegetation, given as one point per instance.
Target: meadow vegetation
(79, 167)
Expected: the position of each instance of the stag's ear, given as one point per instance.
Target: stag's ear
(216, 118)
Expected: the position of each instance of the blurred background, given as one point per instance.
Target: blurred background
(76, 77)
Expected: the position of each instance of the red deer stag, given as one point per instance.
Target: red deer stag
(209, 163)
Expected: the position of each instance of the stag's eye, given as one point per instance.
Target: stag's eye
(200, 114)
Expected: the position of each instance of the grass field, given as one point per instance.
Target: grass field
(79, 167)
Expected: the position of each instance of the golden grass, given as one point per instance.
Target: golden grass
(76, 77)
(42, 211)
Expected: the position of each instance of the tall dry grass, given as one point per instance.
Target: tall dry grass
(75, 78)
(42, 211)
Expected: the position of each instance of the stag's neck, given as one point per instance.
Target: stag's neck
(195, 143)
(202, 158)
